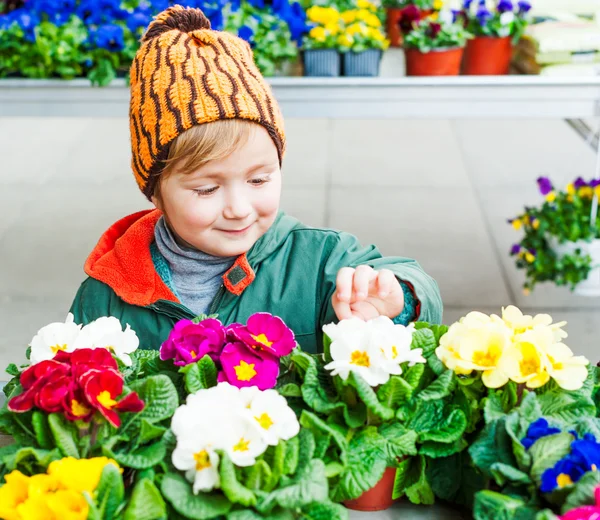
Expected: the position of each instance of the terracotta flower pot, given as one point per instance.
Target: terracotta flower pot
(438, 62)
(377, 498)
(487, 56)
(394, 14)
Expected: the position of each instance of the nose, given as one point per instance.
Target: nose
(237, 205)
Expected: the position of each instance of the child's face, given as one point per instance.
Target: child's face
(224, 207)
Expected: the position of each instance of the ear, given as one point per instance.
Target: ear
(157, 202)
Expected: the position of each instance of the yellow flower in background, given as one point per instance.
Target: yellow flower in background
(36, 509)
(535, 224)
(586, 192)
(567, 370)
(345, 40)
(79, 474)
(356, 28)
(569, 198)
(13, 494)
(516, 224)
(322, 15)
(597, 191)
(365, 4)
(571, 188)
(373, 21)
(529, 257)
(376, 35)
(318, 34)
(438, 5)
(551, 197)
(333, 28)
(68, 505)
(349, 16)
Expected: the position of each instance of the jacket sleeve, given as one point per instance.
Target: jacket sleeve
(91, 302)
(346, 251)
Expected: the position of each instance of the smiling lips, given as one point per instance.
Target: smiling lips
(237, 231)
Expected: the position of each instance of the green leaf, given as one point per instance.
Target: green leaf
(291, 456)
(110, 492)
(306, 448)
(395, 392)
(146, 502)
(232, 488)
(413, 375)
(290, 390)
(159, 395)
(399, 440)
(586, 425)
(420, 492)
(259, 475)
(13, 370)
(452, 429)
(369, 397)
(200, 375)
(436, 450)
(315, 424)
(584, 492)
(492, 408)
(43, 435)
(566, 408)
(547, 451)
(490, 505)
(443, 386)
(333, 469)
(492, 445)
(141, 458)
(149, 431)
(503, 473)
(324, 511)
(64, 436)
(27, 460)
(203, 506)
(424, 339)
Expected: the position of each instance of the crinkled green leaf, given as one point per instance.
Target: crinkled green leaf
(584, 492)
(315, 424)
(504, 473)
(43, 435)
(200, 375)
(547, 451)
(408, 473)
(64, 435)
(490, 505)
(424, 339)
(492, 445)
(450, 430)
(420, 492)
(203, 506)
(140, 458)
(566, 408)
(493, 409)
(290, 390)
(259, 476)
(443, 386)
(324, 511)
(234, 490)
(110, 492)
(414, 375)
(395, 392)
(26, 459)
(146, 502)
(159, 395)
(369, 397)
(399, 441)
(291, 456)
(149, 431)
(306, 448)
(436, 450)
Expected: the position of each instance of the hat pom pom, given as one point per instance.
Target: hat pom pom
(179, 18)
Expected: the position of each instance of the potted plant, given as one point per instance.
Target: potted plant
(496, 32)
(362, 41)
(399, 12)
(435, 47)
(320, 49)
(561, 241)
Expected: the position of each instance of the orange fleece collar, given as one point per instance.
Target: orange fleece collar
(122, 260)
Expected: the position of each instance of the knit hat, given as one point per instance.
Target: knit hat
(185, 74)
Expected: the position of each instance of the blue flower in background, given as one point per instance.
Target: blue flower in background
(524, 6)
(566, 471)
(545, 185)
(138, 20)
(97, 12)
(109, 37)
(245, 33)
(505, 6)
(579, 183)
(294, 16)
(259, 4)
(539, 428)
(483, 15)
(467, 4)
(25, 19)
(57, 11)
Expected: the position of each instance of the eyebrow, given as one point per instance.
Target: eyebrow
(216, 175)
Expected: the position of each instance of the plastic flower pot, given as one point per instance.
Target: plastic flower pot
(322, 62)
(365, 63)
(438, 62)
(377, 498)
(487, 56)
(394, 15)
(590, 286)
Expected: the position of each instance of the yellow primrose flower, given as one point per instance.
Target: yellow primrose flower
(519, 322)
(79, 474)
(356, 28)
(365, 4)
(586, 192)
(68, 505)
(551, 197)
(571, 188)
(318, 34)
(438, 5)
(567, 370)
(345, 40)
(525, 361)
(36, 509)
(13, 494)
(42, 484)
(476, 344)
(516, 224)
(349, 16)
(333, 28)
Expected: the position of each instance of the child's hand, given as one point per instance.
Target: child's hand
(365, 293)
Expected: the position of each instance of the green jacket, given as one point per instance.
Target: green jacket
(294, 269)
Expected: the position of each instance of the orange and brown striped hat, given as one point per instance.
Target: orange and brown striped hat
(186, 74)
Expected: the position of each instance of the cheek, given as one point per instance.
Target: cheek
(191, 213)
(267, 202)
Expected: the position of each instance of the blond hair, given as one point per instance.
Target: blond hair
(201, 144)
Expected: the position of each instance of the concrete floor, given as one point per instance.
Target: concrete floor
(438, 191)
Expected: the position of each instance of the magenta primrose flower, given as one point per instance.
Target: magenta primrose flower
(585, 512)
(266, 335)
(189, 342)
(244, 367)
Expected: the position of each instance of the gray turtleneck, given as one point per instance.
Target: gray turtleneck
(196, 276)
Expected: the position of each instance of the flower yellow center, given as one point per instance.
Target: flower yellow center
(245, 371)
(105, 399)
(530, 363)
(594, 467)
(56, 348)
(193, 354)
(242, 445)
(487, 358)
(262, 339)
(563, 480)
(265, 421)
(360, 359)
(78, 409)
(202, 460)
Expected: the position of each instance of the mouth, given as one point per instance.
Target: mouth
(236, 232)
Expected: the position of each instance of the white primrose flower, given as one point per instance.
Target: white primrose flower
(196, 456)
(107, 332)
(394, 341)
(351, 350)
(54, 338)
(275, 419)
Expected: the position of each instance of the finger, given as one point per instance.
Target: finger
(365, 310)
(386, 282)
(341, 308)
(343, 284)
(362, 276)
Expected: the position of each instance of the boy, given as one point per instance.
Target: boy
(208, 141)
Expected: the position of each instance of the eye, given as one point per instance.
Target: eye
(259, 181)
(206, 191)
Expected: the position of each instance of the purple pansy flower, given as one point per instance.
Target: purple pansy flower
(545, 185)
(594, 183)
(189, 342)
(266, 334)
(109, 37)
(579, 183)
(516, 249)
(467, 4)
(243, 367)
(505, 6)
(483, 15)
(434, 29)
(524, 6)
